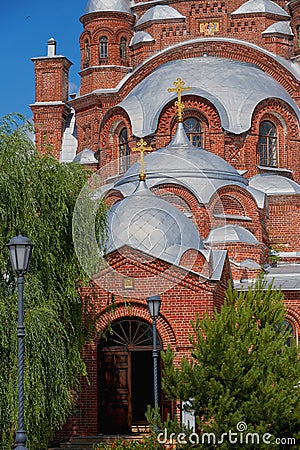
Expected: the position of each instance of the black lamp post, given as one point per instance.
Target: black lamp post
(154, 302)
(20, 249)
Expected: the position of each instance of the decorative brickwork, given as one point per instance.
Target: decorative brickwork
(118, 53)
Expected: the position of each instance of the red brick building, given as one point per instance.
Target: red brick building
(222, 197)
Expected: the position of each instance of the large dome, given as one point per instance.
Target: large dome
(233, 87)
(107, 5)
(198, 170)
(181, 158)
(148, 223)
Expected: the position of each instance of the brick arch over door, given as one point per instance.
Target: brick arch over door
(220, 48)
(139, 311)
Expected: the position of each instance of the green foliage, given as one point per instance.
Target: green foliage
(153, 416)
(240, 369)
(274, 256)
(37, 198)
(146, 443)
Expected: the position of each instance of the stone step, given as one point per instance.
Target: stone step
(88, 442)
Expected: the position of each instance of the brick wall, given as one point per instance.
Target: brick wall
(179, 306)
(97, 73)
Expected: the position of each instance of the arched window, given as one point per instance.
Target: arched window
(267, 146)
(123, 151)
(291, 333)
(86, 53)
(288, 327)
(123, 48)
(103, 49)
(194, 131)
(130, 333)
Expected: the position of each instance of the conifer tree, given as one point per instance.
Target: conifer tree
(37, 198)
(242, 376)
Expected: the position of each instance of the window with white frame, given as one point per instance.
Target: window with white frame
(267, 144)
(103, 47)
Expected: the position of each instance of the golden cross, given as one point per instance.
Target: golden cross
(179, 88)
(142, 147)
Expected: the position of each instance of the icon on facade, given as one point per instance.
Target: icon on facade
(209, 28)
(128, 283)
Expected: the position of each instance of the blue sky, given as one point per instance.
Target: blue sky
(25, 29)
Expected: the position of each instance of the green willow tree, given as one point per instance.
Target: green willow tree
(241, 370)
(37, 198)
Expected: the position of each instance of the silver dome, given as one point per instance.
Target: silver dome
(86, 156)
(181, 159)
(235, 88)
(148, 223)
(200, 171)
(281, 27)
(261, 6)
(159, 12)
(107, 5)
(141, 36)
(274, 184)
(231, 233)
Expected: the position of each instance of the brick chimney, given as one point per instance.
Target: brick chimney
(51, 108)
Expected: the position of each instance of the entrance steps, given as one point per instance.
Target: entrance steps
(88, 442)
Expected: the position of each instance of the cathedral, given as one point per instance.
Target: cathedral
(188, 115)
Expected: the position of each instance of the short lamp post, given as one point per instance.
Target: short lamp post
(154, 302)
(20, 249)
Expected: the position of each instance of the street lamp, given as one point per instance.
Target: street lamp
(154, 302)
(20, 249)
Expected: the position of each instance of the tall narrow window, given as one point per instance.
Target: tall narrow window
(123, 151)
(267, 146)
(194, 131)
(86, 53)
(298, 35)
(123, 48)
(103, 50)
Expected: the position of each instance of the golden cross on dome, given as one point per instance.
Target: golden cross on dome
(179, 88)
(142, 147)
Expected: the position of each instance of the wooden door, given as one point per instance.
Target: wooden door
(125, 375)
(114, 391)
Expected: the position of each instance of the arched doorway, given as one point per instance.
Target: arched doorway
(125, 375)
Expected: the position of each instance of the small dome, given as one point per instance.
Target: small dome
(159, 12)
(107, 5)
(274, 184)
(231, 233)
(141, 36)
(148, 223)
(261, 6)
(279, 27)
(86, 156)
